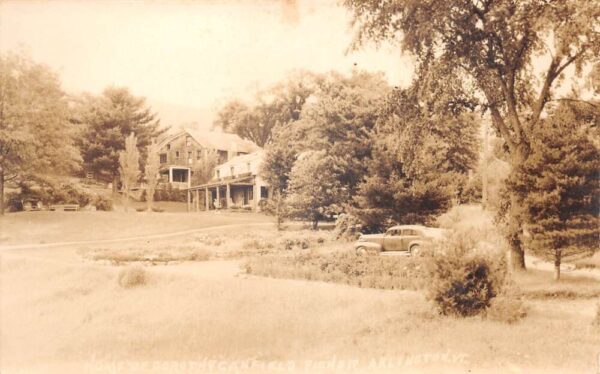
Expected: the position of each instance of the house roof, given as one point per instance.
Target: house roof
(214, 140)
(243, 159)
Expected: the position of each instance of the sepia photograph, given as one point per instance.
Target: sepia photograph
(299, 186)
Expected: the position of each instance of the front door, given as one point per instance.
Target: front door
(392, 240)
(408, 235)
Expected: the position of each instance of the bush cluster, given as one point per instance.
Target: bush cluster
(132, 276)
(347, 227)
(103, 203)
(47, 193)
(167, 194)
(346, 267)
(463, 279)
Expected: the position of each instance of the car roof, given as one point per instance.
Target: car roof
(421, 227)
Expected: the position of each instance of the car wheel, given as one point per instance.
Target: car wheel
(361, 250)
(415, 250)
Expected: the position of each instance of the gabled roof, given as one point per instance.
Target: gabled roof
(213, 140)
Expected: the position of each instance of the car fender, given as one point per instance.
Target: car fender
(418, 242)
(368, 245)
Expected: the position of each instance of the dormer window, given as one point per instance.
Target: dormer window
(218, 173)
(168, 147)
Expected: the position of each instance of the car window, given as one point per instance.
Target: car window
(410, 232)
(393, 232)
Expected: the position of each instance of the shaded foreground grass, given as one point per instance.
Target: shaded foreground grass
(55, 314)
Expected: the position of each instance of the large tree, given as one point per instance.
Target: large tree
(514, 53)
(560, 185)
(315, 191)
(105, 123)
(423, 148)
(36, 136)
(276, 105)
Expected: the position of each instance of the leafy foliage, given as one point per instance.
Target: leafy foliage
(315, 190)
(494, 43)
(35, 134)
(419, 162)
(129, 164)
(151, 174)
(277, 105)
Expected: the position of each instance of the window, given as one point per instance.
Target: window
(198, 155)
(410, 232)
(218, 173)
(176, 154)
(393, 232)
(264, 193)
(188, 141)
(163, 158)
(232, 171)
(248, 167)
(190, 160)
(168, 147)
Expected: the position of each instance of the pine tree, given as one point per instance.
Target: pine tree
(559, 186)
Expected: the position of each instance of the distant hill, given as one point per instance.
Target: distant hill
(177, 116)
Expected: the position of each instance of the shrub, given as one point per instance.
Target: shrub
(508, 306)
(347, 227)
(103, 203)
(132, 276)
(464, 280)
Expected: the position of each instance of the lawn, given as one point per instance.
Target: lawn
(48, 227)
(63, 315)
(64, 310)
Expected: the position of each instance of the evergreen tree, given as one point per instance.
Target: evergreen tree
(559, 185)
(105, 123)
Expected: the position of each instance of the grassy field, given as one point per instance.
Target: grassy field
(49, 227)
(63, 310)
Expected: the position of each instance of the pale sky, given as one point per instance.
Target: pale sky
(189, 53)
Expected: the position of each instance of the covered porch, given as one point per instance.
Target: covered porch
(229, 193)
(178, 176)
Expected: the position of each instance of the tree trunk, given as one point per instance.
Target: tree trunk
(114, 185)
(557, 261)
(149, 198)
(315, 223)
(515, 221)
(1, 191)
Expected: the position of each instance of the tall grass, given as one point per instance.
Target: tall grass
(346, 267)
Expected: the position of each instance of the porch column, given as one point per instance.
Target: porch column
(255, 195)
(206, 200)
(227, 196)
(197, 198)
(218, 204)
(189, 200)
(170, 174)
